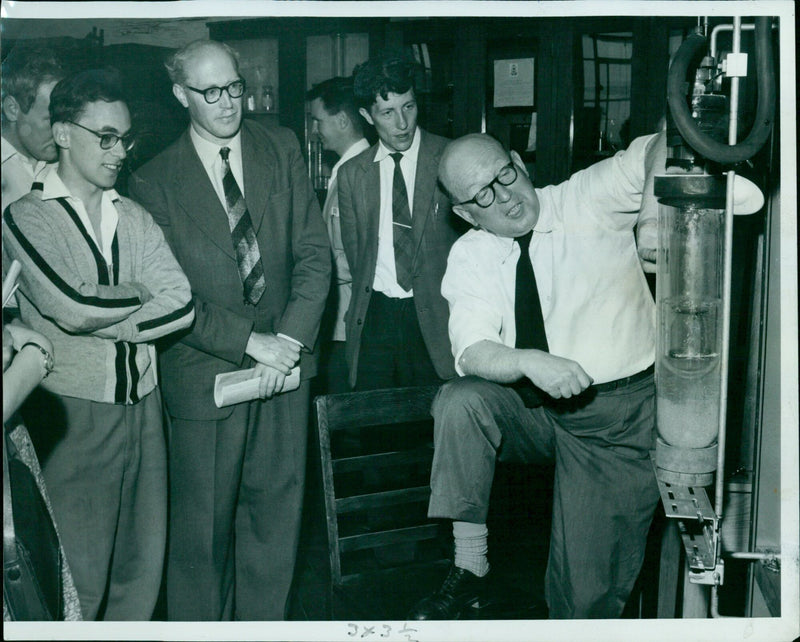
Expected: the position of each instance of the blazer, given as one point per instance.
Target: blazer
(175, 188)
(435, 229)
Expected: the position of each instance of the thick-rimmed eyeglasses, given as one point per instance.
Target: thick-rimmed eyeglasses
(485, 196)
(107, 141)
(213, 94)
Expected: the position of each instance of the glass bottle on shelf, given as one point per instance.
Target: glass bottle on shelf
(268, 99)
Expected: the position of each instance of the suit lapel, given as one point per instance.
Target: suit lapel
(424, 188)
(197, 197)
(371, 195)
(258, 164)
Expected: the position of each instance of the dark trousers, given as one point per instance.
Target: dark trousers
(604, 490)
(392, 352)
(332, 377)
(236, 493)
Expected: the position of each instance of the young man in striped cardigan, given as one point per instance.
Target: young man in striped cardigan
(99, 280)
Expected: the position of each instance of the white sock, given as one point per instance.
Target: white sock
(472, 546)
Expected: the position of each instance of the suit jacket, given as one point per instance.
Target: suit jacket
(435, 229)
(174, 187)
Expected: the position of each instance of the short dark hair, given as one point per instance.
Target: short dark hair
(337, 95)
(71, 95)
(391, 71)
(25, 69)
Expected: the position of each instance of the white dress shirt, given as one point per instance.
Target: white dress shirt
(53, 187)
(596, 303)
(385, 273)
(330, 214)
(212, 161)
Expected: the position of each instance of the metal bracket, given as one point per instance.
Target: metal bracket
(697, 524)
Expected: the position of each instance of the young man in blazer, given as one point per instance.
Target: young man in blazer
(397, 229)
(237, 208)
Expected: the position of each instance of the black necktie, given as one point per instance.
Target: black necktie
(401, 227)
(248, 256)
(528, 318)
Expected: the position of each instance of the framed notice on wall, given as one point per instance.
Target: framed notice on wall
(513, 82)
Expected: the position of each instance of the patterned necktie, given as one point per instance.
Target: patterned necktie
(528, 319)
(248, 256)
(401, 227)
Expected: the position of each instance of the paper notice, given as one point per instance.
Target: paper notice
(513, 83)
(242, 385)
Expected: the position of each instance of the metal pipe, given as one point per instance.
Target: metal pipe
(754, 556)
(715, 603)
(712, 50)
(726, 292)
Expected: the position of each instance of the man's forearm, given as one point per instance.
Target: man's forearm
(492, 361)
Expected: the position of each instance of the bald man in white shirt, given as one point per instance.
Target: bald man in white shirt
(588, 406)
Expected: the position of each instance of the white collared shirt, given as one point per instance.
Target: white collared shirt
(53, 187)
(596, 303)
(385, 274)
(212, 161)
(18, 173)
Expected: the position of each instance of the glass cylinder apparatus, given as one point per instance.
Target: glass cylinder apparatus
(689, 339)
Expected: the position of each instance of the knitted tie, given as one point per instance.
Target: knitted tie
(401, 226)
(528, 319)
(248, 256)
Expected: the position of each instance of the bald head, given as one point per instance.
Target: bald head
(489, 186)
(197, 51)
(462, 158)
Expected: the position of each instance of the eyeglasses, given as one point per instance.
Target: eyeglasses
(485, 196)
(213, 94)
(107, 141)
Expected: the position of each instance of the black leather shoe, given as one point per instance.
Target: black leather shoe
(461, 589)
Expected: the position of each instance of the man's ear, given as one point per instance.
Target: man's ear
(61, 134)
(180, 93)
(518, 162)
(342, 120)
(464, 213)
(11, 109)
(367, 116)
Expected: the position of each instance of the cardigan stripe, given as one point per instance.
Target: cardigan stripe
(56, 280)
(99, 259)
(133, 372)
(121, 365)
(166, 319)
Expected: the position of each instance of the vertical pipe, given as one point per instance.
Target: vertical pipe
(726, 291)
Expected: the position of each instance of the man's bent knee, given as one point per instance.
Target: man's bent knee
(462, 394)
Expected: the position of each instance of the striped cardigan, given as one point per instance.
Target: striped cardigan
(101, 318)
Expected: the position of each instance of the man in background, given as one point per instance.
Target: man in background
(28, 77)
(340, 129)
(238, 210)
(397, 229)
(101, 283)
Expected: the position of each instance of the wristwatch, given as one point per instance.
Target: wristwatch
(49, 364)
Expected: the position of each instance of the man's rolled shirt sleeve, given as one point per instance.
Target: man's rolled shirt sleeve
(475, 315)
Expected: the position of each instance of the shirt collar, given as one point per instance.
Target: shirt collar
(53, 187)
(209, 152)
(411, 153)
(354, 149)
(8, 150)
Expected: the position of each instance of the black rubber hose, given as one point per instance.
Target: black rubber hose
(701, 142)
